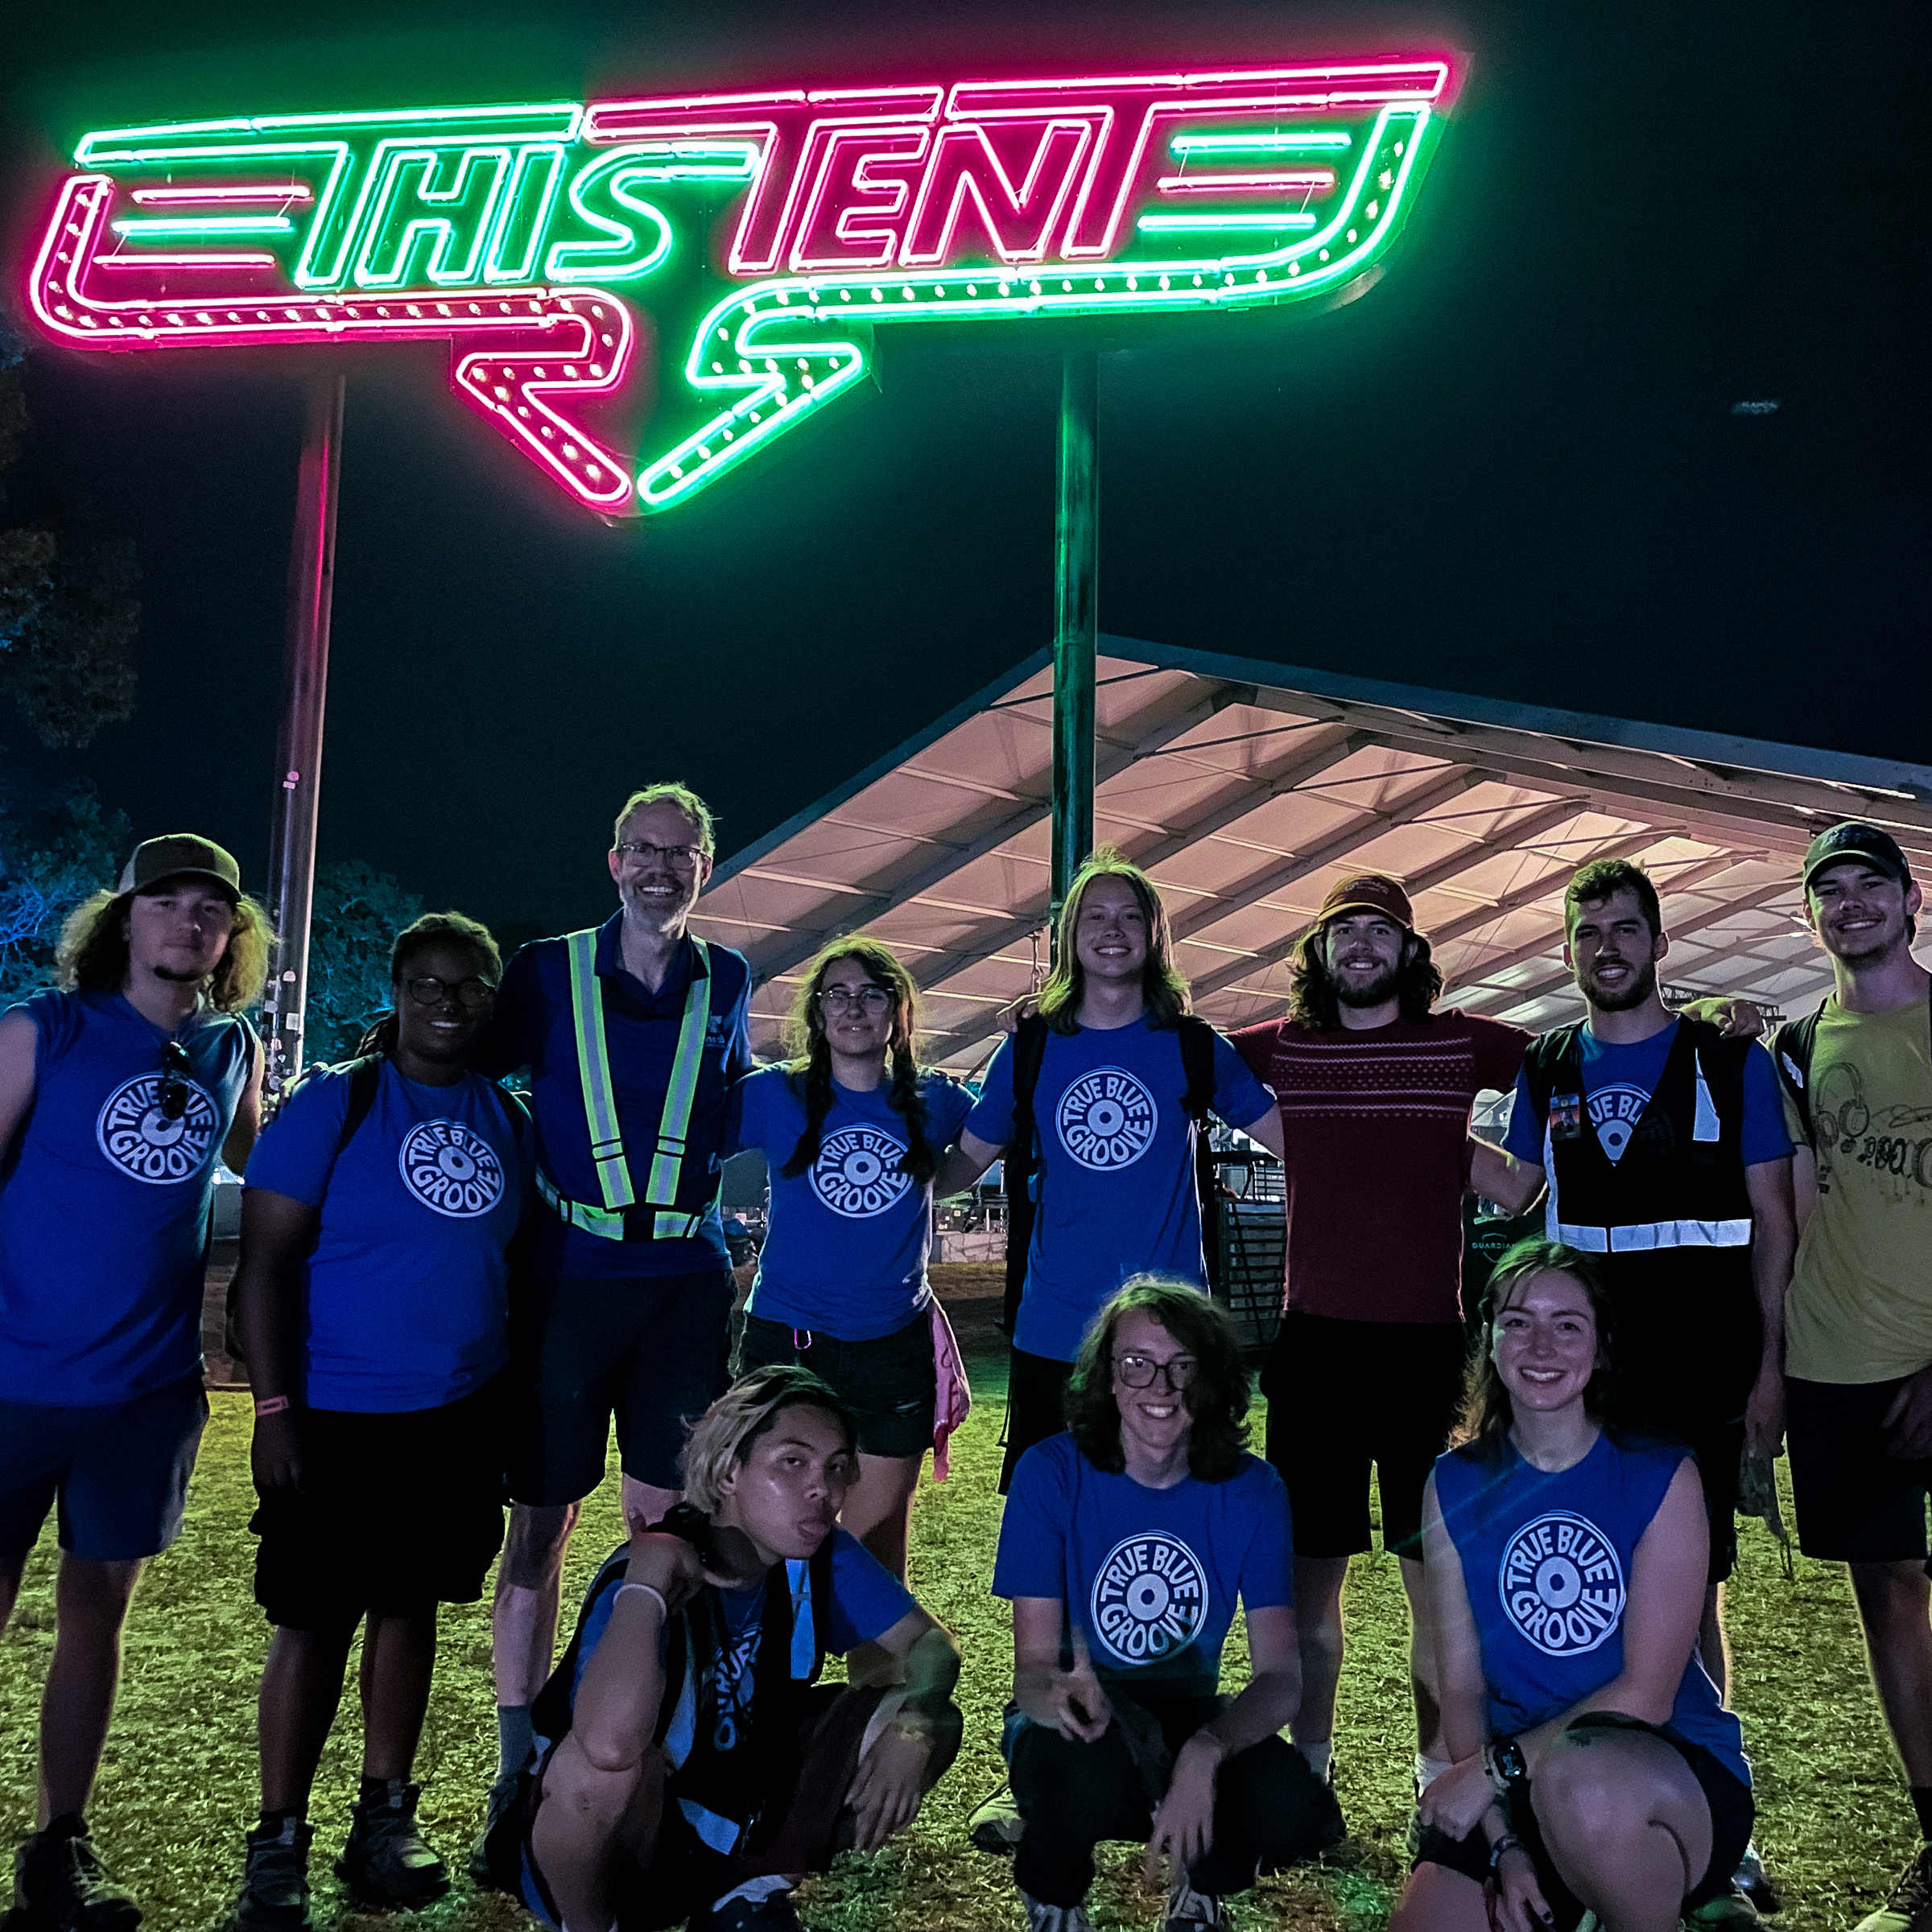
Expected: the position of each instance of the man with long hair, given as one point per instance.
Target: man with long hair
(1375, 1087)
(1662, 1143)
(1124, 1546)
(1113, 1128)
(633, 1032)
(1857, 1076)
(120, 1094)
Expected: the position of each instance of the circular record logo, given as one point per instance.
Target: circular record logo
(450, 1169)
(857, 1173)
(140, 1140)
(1561, 1584)
(1107, 1119)
(1150, 1598)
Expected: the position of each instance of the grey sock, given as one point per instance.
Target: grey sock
(515, 1739)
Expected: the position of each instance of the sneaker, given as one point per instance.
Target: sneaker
(1729, 1912)
(1191, 1911)
(386, 1862)
(1755, 1882)
(1909, 1908)
(60, 1885)
(996, 1826)
(503, 1794)
(1053, 1918)
(773, 1912)
(275, 1886)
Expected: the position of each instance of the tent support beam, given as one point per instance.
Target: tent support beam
(1076, 575)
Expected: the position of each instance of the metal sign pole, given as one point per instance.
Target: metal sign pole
(291, 852)
(1076, 572)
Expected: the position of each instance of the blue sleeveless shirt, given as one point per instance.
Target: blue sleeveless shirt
(1546, 1561)
(104, 1202)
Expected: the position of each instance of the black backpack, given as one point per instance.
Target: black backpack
(1792, 1045)
(1023, 1167)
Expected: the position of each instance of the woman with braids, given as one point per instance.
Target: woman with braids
(1595, 1768)
(853, 1129)
(1125, 1544)
(372, 1293)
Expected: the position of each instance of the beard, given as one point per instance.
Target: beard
(179, 975)
(1634, 994)
(1367, 993)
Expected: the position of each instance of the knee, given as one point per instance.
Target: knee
(1585, 1805)
(533, 1548)
(1893, 1598)
(92, 1598)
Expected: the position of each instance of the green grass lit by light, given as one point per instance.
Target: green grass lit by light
(178, 1786)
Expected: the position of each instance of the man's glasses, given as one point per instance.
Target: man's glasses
(1138, 1371)
(641, 852)
(473, 995)
(842, 999)
(173, 1079)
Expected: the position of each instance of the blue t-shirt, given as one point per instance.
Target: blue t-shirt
(1150, 1576)
(1618, 1081)
(1547, 1560)
(1117, 1168)
(532, 1027)
(847, 1249)
(104, 1201)
(407, 1304)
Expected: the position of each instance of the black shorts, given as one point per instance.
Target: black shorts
(890, 1384)
(396, 1513)
(1344, 1395)
(1732, 1813)
(1857, 1503)
(652, 1350)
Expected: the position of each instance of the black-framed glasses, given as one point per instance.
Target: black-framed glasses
(679, 858)
(175, 1065)
(842, 999)
(1138, 1371)
(473, 995)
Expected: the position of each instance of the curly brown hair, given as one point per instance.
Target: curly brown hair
(1313, 1001)
(92, 955)
(1217, 1397)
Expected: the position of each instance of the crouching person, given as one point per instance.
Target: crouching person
(689, 1767)
(1125, 1544)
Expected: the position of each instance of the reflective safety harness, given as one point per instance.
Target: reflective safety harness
(619, 1218)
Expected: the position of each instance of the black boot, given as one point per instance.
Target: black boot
(60, 1885)
(386, 1862)
(274, 1887)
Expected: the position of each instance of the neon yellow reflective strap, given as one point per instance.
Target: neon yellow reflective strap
(593, 1072)
(668, 1163)
(607, 1226)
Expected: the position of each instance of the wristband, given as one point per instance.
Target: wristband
(649, 1590)
(273, 1405)
(1509, 1842)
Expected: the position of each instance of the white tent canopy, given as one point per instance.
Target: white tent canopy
(1246, 788)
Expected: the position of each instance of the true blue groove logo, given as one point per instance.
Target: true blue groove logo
(140, 1139)
(1561, 1584)
(1106, 1119)
(450, 1169)
(1150, 1598)
(858, 1174)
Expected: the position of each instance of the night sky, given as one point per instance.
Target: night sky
(1513, 469)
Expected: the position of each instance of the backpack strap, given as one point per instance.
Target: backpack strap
(1022, 1163)
(1197, 1063)
(1029, 1055)
(1792, 1045)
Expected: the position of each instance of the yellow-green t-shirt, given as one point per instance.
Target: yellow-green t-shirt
(1859, 1309)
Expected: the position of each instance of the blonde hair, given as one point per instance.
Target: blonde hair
(92, 955)
(723, 1436)
(1163, 984)
(687, 801)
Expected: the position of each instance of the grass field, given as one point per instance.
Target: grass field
(179, 1785)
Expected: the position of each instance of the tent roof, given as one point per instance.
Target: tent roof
(1246, 787)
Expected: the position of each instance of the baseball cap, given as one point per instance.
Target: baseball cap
(1854, 838)
(1368, 892)
(176, 854)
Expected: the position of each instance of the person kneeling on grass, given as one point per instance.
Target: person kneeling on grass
(1595, 1768)
(1124, 1545)
(689, 1768)
(374, 1294)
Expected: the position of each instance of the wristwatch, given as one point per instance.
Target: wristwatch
(1505, 1764)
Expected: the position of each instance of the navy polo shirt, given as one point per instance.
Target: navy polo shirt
(532, 1027)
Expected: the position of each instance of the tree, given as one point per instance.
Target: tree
(357, 914)
(51, 857)
(69, 617)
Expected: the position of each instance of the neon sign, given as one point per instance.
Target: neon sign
(753, 243)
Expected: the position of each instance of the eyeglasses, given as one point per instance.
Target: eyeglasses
(1138, 1371)
(842, 999)
(473, 995)
(173, 1079)
(641, 852)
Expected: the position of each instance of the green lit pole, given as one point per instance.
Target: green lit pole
(1076, 575)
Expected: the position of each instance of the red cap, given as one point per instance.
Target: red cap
(1368, 892)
